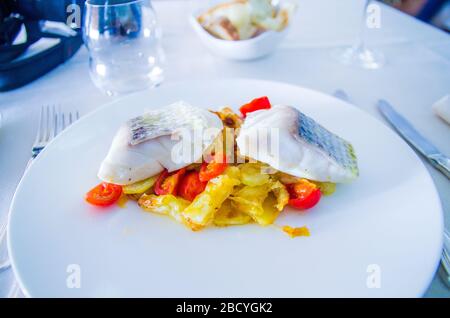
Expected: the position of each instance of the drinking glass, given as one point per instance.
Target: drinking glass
(359, 54)
(123, 40)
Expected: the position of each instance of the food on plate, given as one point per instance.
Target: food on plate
(245, 19)
(104, 194)
(141, 186)
(303, 194)
(296, 231)
(232, 177)
(314, 152)
(254, 105)
(143, 146)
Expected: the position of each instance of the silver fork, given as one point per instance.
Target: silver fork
(52, 121)
(444, 269)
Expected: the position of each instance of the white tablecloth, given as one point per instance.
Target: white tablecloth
(417, 74)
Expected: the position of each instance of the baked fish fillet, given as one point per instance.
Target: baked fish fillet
(147, 144)
(293, 143)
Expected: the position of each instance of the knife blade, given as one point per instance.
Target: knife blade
(414, 138)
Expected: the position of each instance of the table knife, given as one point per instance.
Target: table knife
(414, 138)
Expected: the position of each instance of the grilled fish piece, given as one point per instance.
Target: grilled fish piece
(145, 145)
(294, 143)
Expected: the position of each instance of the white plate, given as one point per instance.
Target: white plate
(384, 230)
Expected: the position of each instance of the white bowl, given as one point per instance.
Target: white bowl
(250, 49)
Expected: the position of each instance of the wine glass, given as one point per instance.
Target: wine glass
(359, 54)
(123, 40)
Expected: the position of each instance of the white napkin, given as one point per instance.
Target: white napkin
(442, 108)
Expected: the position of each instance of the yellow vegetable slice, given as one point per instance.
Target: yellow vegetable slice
(281, 194)
(164, 204)
(140, 186)
(229, 215)
(262, 203)
(326, 188)
(296, 231)
(201, 211)
(270, 213)
(249, 200)
(287, 178)
(251, 174)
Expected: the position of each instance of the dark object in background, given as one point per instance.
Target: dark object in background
(9, 30)
(15, 14)
(430, 9)
(53, 10)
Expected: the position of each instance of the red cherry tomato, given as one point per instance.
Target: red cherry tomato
(191, 186)
(214, 168)
(104, 194)
(167, 183)
(303, 194)
(254, 105)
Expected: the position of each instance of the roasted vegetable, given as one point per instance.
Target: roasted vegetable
(164, 204)
(327, 188)
(230, 215)
(213, 168)
(190, 186)
(167, 183)
(201, 211)
(104, 194)
(303, 194)
(249, 200)
(252, 174)
(263, 203)
(229, 118)
(140, 186)
(296, 231)
(254, 105)
(281, 194)
(134, 197)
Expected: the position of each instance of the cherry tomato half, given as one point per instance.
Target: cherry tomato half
(214, 168)
(190, 186)
(104, 194)
(167, 183)
(303, 194)
(254, 105)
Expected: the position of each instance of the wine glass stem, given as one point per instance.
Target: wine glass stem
(360, 44)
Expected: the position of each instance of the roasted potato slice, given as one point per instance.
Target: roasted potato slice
(252, 174)
(230, 215)
(202, 210)
(262, 203)
(249, 200)
(281, 195)
(140, 186)
(164, 204)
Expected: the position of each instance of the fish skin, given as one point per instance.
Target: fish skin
(151, 153)
(334, 146)
(306, 149)
(156, 123)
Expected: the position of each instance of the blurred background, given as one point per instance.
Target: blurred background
(436, 12)
(35, 37)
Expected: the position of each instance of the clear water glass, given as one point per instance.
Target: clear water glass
(359, 54)
(124, 44)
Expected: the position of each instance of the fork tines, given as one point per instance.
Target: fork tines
(52, 121)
